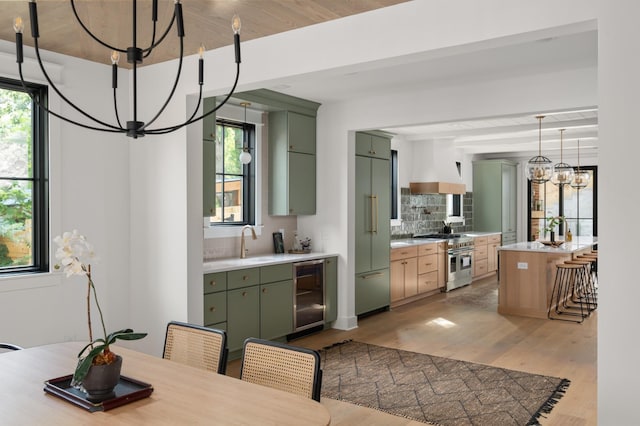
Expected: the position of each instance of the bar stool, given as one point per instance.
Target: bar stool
(584, 288)
(593, 258)
(567, 277)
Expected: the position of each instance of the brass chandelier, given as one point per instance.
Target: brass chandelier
(135, 54)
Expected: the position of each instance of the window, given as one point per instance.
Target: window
(234, 180)
(579, 207)
(24, 205)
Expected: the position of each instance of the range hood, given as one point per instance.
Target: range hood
(434, 169)
(437, 188)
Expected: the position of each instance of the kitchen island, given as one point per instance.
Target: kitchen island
(528, 271)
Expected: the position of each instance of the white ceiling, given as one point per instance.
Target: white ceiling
(506, 134)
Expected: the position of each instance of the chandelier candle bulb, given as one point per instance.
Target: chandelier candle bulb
(201, 64)
(18, 26)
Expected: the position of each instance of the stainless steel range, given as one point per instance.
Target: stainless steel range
(460, 256)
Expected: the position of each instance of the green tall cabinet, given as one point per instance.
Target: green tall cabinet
(209, 159)
(495, 198)
(372, 222)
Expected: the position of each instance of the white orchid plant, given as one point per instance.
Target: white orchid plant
(73, 254)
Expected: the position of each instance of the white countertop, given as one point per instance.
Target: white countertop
(414, 242)
(481, 234)
(578, 243)
(229, 264)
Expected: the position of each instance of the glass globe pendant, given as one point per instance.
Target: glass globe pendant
(562, 172)
(580, 178)
(539, 168)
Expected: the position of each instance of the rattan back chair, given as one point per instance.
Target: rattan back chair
(197, 346)
(280, 366)
(9, 346)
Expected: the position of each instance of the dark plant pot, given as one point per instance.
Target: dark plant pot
(553, 236)
(446, 230)
(101, 380)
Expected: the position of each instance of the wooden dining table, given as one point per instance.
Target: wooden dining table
(182, 395)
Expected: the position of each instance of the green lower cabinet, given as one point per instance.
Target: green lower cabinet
(331, 289)
(276, 309)
(243, 316)
(372, 291)
(215, 308)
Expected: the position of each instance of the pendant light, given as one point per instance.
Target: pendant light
(245, 155)
(135, 54)
(539, 168)
(580, 178)
(562, 172)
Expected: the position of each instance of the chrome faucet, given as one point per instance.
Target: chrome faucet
(243, 251)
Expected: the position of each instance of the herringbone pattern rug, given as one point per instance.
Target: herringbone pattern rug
(435, 390)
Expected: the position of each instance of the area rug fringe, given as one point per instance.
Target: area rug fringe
(548, 405)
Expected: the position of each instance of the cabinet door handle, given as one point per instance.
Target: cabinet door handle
(245, 277)
(244, 294)
(212, 283)
(374, 212)
(264, 290)
(375, 274)
(212, 309)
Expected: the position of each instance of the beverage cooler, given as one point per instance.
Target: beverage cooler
(308, 286)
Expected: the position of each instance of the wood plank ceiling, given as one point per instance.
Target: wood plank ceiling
(206, 21)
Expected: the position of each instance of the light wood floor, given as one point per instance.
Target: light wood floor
(477, 334)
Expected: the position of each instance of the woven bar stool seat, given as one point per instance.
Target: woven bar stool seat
(561, 307)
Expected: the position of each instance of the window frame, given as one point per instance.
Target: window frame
(248, 173)
(39, 178)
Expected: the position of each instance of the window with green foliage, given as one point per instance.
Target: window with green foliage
(23, 179)
(234, 180)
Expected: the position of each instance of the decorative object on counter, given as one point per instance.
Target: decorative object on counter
(98, 369)
(539, 168)
(135, 55)
(447, 227)
(569, 236)
(451, 392)
(300, 245)
(562, 172)
(553, 221)
(580, 179)
(278, 243)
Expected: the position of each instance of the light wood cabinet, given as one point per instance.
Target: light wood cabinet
(417, 271)
(485, 255)
(404, 273)
(492, 252)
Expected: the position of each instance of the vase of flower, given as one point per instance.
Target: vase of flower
(101, 380)
(552, 235)
(98, 370)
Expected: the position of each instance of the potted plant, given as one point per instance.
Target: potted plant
(98, 369)
(552, 222)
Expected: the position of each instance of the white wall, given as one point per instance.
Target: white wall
(89, 181)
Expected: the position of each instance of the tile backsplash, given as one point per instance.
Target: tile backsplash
(424, 213)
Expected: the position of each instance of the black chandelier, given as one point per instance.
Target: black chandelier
(135, 54)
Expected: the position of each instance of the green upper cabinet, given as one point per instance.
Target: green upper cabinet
(296, 131)
(209, 160)
(373, 145)
(292, 164)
